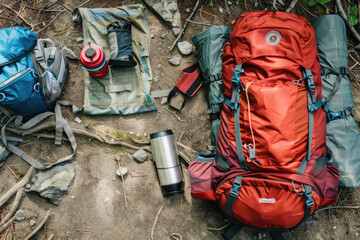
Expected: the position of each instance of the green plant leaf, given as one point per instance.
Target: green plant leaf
(353, 10)
(353, 20)
(327, 11)
(210, 4)
(312, 3)
(323, 1)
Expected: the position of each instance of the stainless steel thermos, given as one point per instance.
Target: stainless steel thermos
(166, 157)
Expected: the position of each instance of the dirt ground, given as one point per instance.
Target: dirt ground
(96, 200)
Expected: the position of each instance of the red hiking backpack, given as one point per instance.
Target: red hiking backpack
(271, 169)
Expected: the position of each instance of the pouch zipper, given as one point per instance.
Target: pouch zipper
(14, 78)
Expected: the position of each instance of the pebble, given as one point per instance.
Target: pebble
(145, 134)
(20, 215)
(122, 171)
(256, 4)
(175, 61)
(156, 79)
(185, 47)
(78, 120)
(229, 3)
(163, 36)
(131, 133)
(140, 155)
(176, 31)
(28, 186)
(334, 227)
(79, 39)
(187, 10)
(114, 179)
(152, 36)
(32, 223)
(138, 134)
(221, 9)
(163, 101)
(159, 66)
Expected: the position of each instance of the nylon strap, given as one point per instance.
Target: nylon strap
(238, 140)
(60, 123)
(233, 194)
(236, 81)
(231, 232)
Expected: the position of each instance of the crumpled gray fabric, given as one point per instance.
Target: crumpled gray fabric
(342, 135)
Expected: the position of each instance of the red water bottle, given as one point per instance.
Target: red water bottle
(93, 59)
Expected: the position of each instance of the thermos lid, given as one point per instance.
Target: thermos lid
(92, 56)
(161, 134)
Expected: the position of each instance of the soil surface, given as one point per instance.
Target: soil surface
(96, 201)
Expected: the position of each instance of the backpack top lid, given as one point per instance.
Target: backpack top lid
(18, 42)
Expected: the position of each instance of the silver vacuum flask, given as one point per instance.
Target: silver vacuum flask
(166, 157)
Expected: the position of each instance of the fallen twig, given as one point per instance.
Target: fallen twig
(219, 228)
(155, 221)
(51, 21)
(23, 19)
(2, 187)
(348, 24)
(16, 176)
(200, 23)
(177, 117)
(122, 178)
(337, 207)
(6, 234)
(38, 15)
(51, 237)
(183, 155)
(227, 7)
(85, 230)
(291, 5)
(17, 186)
(186, 147)
(185, 25)
(40, 225)
(7, 224)
(14, 206)
(119, 232)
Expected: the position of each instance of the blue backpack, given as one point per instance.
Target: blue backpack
(32, 74)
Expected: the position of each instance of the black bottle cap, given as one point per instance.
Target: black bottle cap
(161, 134)
(90, 52)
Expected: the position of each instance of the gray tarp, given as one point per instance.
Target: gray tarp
(342, 135)
(208, 45)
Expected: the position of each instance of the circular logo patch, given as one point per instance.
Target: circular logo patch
(273, 37)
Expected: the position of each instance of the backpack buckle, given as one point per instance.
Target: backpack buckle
(308, 200)
(234, 191)
(332, 116)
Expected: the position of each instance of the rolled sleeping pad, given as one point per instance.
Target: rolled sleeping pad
(342, 133)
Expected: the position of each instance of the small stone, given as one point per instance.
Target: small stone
(334, 227)
(140, 155)
(114, 179)
(72, 197)
(20, 215)
(221, 9)
(185, 47)
(138, 134)
(187, 10)
(159, 66)
(156, 79)
(163, 101)
(176, 31)
(229, 3)
(145, 134)
(131, 133)
(162, 74)
(78, 120)
(121, 171)
(107, 199)
(311, 223)
(152, 36)
(32, 223)
(256, 4)
(28, 186)
(117, 158)
(175, 61)
(79, 39)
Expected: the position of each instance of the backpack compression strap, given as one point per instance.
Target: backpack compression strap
(189, 83)
(61, 125)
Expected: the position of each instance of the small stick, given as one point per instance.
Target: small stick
(83, 3)
(13, 207)
(220, 228)
(40, 225)
(5, 235)
(85, 230)
(199, 23)
(23, 19)
(185, 25)
(122, 178)
(17, 186)
(51, 236)
(155, 221)
(181, 136)
(291, 5)
(2, 187)
(3, 227)
(227, 7)
(348, 24)
(51, 21)
(13, 173)
(186, 147)
(338, 207)
(177, 117)
(176, 236)
(119, 232)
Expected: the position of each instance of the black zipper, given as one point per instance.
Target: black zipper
(19, 57)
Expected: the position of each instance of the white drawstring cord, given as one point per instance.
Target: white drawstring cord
(248, 103)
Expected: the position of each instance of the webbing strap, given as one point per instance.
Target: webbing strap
(233, 194)
(118, 88)
(231, 232)
(60, 123)
(236, 81)
(238, 140)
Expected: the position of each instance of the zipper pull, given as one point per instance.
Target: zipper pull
(240, 15)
